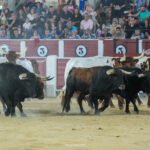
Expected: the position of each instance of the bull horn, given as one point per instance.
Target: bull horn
(23, 52)
(123, 58)
(43, 78)
(41, 61)
(23, 76)
(138, 57)
(110, 71)
(126, 72)
(141, 75)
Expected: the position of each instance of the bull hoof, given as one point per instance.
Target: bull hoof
(97, 112)
(13, 115)
(23, 115)
(140, 103)
(83, 113)
(120, 107)
(7, 113)
(128, 112)
(112, 106)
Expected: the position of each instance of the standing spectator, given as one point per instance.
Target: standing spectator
(130, 27)
(119, 34)
(82, 5)
(105, 35)
(137, 34)
(92, 15)
(76, 18)
(86, 23)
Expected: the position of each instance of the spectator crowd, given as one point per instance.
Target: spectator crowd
(111, 19)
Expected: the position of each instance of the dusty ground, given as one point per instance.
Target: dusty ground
(46, 128)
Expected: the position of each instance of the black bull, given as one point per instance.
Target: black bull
(81, 79)
(106, 81)
(16, 84)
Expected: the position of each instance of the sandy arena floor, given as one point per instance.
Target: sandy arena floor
(46, 128)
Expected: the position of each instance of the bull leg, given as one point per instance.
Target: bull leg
(4, 106)
(127, 107)
(148, 103)
(106, 103)
(139, 100)
(120, 101)
(80, 98)
(111, 103)
(68, 95)
(19, 105)
(95, 101)
(13, 114)
(135, 107)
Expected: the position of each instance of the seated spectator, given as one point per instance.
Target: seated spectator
(74, 34)
(21, 16)
(69, 27)
(130, 27)
(3, 19)
(139, 3)
(3, 34)
(65, 15)
(119, 34)
(118, 8)
(38, 8)
(52, 14)
(101, 15)
(35, 35)
(59, 31)
(100, 30)
(47, 35)
(46, 5)
(144, 16)
(30, 15)
(137, 34)
(16, 34)
(76, 18)
(70, 6)
(88, 35)
(86, 23)
(105, 35)
(113, 27)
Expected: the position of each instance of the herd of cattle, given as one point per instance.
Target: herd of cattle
(98, 78)
(95, 79)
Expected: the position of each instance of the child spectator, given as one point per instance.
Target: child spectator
(119, 34)
(47, 35)
(137, 34)
(74, 34)
(105, 35)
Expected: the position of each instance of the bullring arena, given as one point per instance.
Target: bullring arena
(45, 128)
